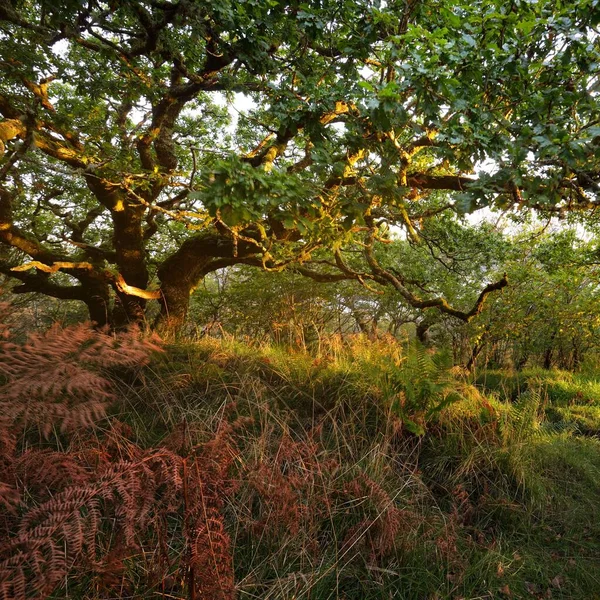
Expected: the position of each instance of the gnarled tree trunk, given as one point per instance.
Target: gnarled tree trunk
(181, 273)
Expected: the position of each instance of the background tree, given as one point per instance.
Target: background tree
(452, 256)
(125, 179)
(549, 316)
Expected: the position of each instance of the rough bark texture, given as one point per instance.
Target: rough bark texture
(181, 273)
(129, 243)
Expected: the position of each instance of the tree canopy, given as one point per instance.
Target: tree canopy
(147, 143)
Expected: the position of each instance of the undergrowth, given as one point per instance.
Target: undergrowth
(219, 470)
(571, 400)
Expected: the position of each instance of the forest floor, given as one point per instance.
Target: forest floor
(370, 472)
(223, 470)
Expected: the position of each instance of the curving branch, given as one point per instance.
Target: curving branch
(386, 277)
(39, 283)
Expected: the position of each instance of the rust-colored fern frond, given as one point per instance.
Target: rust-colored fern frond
(10, 495)
(378, 532)
(210, 559)
(207, 485)
(47, 472)
(86, 510)
(290, 482)
(93, 500)
(57, 377)
(63, 532)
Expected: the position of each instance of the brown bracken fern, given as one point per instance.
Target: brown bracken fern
(121, 500)
(92, 508)
(86, 509)
(55, 501)
(206, 486)
(57, 376)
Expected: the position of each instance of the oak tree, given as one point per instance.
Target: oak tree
(146, 143)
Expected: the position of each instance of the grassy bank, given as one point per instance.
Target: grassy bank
(370, 471)
(497, 498)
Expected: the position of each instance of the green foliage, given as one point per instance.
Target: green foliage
(561, 388)
(547, 316)
(584, 419)
(159, 142)
(422, 387)
(242, 194)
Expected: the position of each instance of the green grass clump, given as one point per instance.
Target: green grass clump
(584, 419)
(561, 387)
